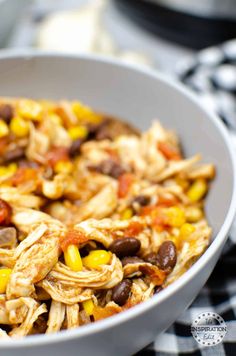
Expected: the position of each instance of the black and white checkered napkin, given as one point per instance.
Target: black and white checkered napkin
(212, 75)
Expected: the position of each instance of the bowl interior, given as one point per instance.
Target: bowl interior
(133, 95)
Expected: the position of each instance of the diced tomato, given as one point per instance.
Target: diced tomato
(158, 223)
(156, 213)
(125, 181)
(5, 212)
(170, 152)
(147, 210)
(134, 229)
(159, 219)
(3, 143)
(73, 237)
(24, 174)
(113, 154)
(167, 201)
(57, 154)
(102, 313)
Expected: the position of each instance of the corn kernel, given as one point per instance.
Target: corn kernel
(197, 190)
(12, 167)
(19, 127)
(85, 114)
(73, 259)
(193, 214)
(183, 183)
(4, 130)
(127, 214)
(78, 132)
(175, 216)
(77, 108)
(3, 171)
(8, 171)
(4, 279)
(63, 167)
(30, 110)
(88, 306)
(96, 258)
(186, 230)
(55, 118)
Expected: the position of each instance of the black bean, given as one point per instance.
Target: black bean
(152, 258)
(94, 129)
(167, 255)
(127, 246)
(142, 200)
(115, 170)
(109, 167)
(6, 112)
(112, 128)
(103, 134)
(75, 147)
(131, 260)
(121, 292)
(14, 155)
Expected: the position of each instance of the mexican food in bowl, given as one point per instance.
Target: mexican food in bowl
(96, 216)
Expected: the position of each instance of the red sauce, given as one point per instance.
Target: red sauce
(134, 229)
(73, 237)
(170, 152)
(24, 174)
(5, 213)
(125, 181)
(57, 154)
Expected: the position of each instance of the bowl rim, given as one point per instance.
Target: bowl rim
(217, 243)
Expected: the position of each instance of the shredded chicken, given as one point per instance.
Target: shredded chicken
(56, 317)
(33, 312)
(72, 316)
(38, 145)
(36, 255)
(93, 207)
(13, 196)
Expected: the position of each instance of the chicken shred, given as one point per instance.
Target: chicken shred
(56, 317)
(72, 316)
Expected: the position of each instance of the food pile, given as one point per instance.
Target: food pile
(94, 216)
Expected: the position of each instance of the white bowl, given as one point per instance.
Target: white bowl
(138, 96)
